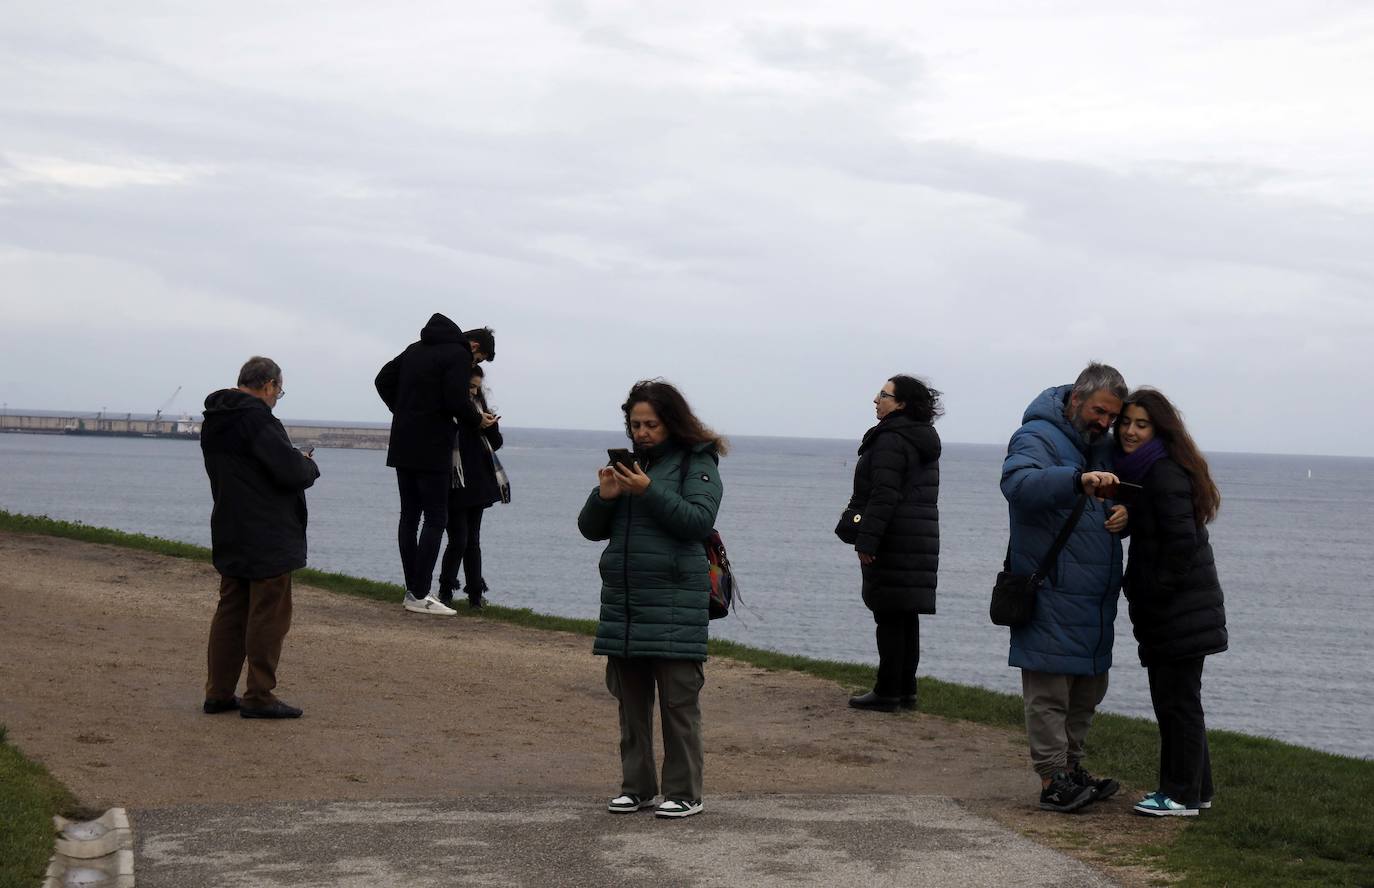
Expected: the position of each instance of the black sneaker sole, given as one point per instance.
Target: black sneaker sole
(1074, 805)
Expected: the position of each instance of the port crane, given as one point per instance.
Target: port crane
(167, 403)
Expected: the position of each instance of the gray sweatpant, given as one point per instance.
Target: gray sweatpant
(1059, 710)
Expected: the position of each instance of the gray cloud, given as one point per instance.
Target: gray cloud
(740, 237)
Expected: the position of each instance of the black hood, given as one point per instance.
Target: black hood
(441, 329)
(227, 401)
(231, 417)
(920, 435)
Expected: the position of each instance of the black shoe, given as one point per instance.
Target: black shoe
(907, 701)
(276, 709)
(874, 702)
(476, 602)
(1063, 795)
(1102, 789)
(445, 597)
(215, 707)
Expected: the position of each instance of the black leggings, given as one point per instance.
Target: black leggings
(465, 545)
(421, 493)
(899, 652)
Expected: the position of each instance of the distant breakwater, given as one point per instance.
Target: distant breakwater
(185, 428)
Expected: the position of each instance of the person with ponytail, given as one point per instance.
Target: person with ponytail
(1176, 604)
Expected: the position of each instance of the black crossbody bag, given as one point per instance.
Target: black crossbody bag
(1013, 595)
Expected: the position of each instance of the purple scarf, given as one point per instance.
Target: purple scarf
(1133, 467)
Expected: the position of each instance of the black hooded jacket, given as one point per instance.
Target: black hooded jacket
(426, 388)
(258, 482)
(896, 490)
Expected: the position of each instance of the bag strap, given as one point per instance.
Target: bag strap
(1042, 569)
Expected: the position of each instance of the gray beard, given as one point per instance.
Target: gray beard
(1087, 430)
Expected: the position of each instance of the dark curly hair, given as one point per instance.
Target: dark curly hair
(674, 412)
(922, 402)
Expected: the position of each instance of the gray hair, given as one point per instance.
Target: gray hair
(1098, 378)
(257, 371)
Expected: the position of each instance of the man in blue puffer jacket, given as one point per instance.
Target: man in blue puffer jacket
(1062, 450)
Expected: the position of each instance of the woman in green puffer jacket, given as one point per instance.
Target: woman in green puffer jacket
(654, 591)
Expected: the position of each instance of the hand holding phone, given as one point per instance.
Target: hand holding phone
(621, 456)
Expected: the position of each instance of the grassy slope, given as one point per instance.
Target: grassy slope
(28, 800)
(1285, 815)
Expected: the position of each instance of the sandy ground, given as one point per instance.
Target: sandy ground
(102, 671)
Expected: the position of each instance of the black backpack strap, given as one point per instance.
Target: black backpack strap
(1043, 569)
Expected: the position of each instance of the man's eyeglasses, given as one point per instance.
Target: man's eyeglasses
(281, 392)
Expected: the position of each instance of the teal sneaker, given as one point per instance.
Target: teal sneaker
(1157, 804)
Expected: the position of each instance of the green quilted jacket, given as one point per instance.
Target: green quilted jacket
(654, 582)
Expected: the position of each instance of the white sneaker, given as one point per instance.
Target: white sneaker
(427, 605)
(678, 808)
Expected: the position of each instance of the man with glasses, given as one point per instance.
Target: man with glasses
(426, 389)
(1061, 452)
(257, 531)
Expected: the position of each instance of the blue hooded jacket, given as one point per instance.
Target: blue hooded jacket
(1071, 630)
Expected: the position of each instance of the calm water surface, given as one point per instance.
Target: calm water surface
(1292, 552)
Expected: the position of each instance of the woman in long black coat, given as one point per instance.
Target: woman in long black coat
(475, 488)
(1176, 605)
(893, 521)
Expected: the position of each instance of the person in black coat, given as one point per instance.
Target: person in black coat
(426, 389)
(257, 531)
(893, 521)
(475, 487)
(1176, 605)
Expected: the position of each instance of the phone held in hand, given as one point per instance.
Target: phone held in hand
(622, 456)
(1122, 492)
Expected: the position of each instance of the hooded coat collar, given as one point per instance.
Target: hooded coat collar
(920, 435)
(441, 329)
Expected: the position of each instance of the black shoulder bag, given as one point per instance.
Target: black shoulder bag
(1013, 595)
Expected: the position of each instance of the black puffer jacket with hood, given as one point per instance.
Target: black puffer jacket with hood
(258, 482)
(896, 490)
(426, 388)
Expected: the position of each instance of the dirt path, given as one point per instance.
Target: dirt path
(102, 671)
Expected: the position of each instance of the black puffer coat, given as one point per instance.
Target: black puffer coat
(258, 482)
(896, 490)
(1176, 604)
(426, 388)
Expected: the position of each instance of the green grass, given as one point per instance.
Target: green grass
(1284, 815)
(29, 798)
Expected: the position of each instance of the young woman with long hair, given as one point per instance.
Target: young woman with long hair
(1176, 604)
(655, 514)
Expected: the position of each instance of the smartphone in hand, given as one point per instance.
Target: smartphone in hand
(622, 456)
(1122, 492)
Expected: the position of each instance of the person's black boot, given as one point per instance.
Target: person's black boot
(908, 701)
(872, 701)
(445, 595)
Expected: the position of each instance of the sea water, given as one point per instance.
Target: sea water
(1292, 553)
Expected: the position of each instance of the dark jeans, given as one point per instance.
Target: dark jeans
(421, 493)
(249, 625)
(465, 546)
(899, 652)
(1185, 766)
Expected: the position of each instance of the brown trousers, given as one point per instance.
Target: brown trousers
(250, 624)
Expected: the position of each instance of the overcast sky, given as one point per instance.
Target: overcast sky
(775, 205)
